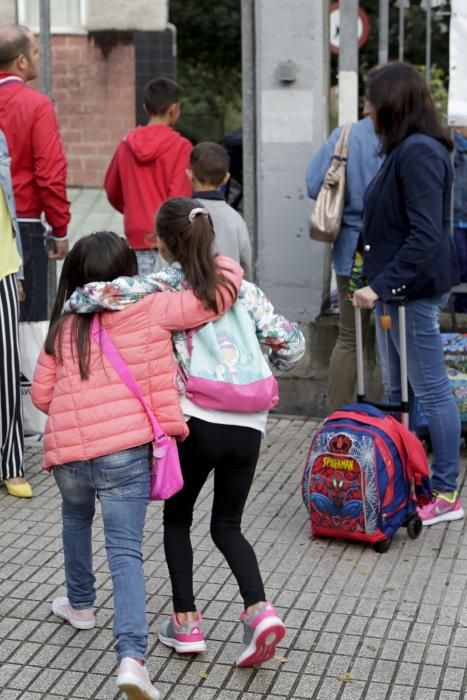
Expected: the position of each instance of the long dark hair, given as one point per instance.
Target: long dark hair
(102, 256)
(190, 240)
(403, 106)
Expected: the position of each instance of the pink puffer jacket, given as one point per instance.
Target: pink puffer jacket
(98, 416)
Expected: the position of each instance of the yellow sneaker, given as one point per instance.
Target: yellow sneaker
(20, 490)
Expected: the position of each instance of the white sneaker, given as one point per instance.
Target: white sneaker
(133, 679)
(80, 619)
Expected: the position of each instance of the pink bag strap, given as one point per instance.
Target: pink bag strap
(102, 338)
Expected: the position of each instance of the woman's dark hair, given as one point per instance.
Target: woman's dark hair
(190, 240)
(100, 257)
(403, 106)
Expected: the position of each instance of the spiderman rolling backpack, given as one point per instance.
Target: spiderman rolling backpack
(365, 472)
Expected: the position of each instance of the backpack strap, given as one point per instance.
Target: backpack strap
(408, 445)
(102, 338)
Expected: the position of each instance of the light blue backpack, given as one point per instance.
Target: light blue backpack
(228, 370)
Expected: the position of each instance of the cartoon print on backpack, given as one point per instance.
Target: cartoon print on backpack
(342, 484)
(226, 371)
(336, 489)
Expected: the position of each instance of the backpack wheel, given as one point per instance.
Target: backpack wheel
(414, 526)
(383, 546)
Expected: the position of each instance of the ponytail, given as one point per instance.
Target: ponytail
(186, 229)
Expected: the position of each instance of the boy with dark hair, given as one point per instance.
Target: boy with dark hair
(149, 167)
(208, 172)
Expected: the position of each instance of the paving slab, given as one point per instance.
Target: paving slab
(394, 622)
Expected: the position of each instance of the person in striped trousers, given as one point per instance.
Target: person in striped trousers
(11, 422)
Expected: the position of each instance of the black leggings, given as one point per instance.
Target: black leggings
(232, 452)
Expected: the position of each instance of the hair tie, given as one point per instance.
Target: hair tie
(197, 211)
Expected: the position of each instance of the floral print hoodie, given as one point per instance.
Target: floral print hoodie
(284, 340)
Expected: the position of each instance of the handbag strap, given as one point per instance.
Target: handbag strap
(342, 146)
(102, 338)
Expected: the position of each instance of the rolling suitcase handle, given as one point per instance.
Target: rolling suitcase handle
(403, 406)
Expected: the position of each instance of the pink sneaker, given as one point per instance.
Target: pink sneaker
(133, 680)
(81, 619)
(263, 630)
(185, 639)
(442, 508)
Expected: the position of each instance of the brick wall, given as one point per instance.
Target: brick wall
(95, 100)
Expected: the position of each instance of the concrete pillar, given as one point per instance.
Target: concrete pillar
(291, 59)
(383, 34)
(249, 120)
(348, 61)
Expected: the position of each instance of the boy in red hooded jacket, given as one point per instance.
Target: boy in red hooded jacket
(149, 167)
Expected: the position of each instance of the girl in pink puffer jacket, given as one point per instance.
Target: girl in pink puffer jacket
(224, 441)
(98, 438)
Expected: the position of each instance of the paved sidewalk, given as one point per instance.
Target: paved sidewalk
(90, 211)
(394, 622)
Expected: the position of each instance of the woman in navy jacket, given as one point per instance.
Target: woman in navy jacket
(408, 251)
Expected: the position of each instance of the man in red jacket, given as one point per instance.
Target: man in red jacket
(38, 164)
(149, 167)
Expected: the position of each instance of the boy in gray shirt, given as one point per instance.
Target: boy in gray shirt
(208, 172)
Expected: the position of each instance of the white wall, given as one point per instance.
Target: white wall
(142, 15)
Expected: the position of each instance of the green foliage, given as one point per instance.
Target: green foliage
(209, 66)
(414, 44)
(438, 88)
(208, 32)
(414, 35)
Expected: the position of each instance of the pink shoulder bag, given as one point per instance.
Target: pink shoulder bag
(166, 479)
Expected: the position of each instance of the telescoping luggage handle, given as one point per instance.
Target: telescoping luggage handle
(403, 406)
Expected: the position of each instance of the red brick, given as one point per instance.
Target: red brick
(95, 101)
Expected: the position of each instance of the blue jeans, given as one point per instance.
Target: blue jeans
(35, 264)
(121, 481)
(428, 380)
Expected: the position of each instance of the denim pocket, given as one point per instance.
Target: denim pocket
(131, 479)
(65, 471)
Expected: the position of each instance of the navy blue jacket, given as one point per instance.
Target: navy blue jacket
(460, 181)
(408, 249)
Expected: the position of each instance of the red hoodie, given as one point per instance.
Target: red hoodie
(38, 162)
(148, 168)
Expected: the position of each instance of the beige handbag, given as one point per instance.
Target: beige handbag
(325, 220)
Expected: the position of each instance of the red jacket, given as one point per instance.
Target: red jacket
(38, 162)
(148, 168)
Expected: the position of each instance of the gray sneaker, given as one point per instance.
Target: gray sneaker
(185, 639)
(263, 630)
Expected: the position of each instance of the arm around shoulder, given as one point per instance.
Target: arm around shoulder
(177, 311)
